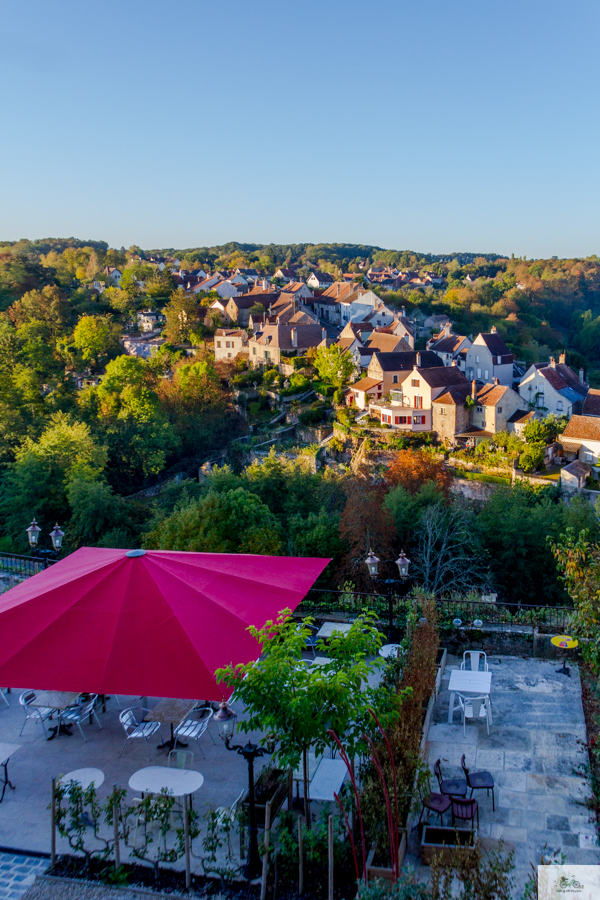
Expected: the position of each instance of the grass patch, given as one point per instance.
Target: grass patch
(479, 476)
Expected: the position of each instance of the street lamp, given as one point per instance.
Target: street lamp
(56, 537)
(225, 720)
(403, 562)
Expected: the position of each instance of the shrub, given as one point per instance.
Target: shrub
(338, 396)
(532, 457)
(312, 416)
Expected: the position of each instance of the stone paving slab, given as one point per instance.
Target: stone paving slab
(537, 756)
(18, 873)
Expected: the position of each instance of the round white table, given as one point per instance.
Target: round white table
(390, 650)
(85, 777)
(154, 779)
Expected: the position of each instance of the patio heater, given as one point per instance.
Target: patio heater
(56, 536)
(403, 562)
(225, 719)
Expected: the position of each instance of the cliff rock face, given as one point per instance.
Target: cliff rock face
(473, 490)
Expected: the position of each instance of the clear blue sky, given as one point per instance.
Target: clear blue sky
(434, 125)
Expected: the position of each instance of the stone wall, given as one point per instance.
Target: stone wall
(455, 420)
(473, 490)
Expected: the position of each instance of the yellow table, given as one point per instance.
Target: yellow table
(564, 642)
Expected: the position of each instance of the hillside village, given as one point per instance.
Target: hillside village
(458, 390)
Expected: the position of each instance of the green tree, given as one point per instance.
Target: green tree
(532, 457)
(334, 365)
(182, 317)
(537, 432)
(38, 481)
(578, 561)
(310, 701)
(234, 521)
(99, 517)
(93, 338)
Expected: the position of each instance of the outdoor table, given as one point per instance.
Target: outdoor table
(564, 642)
(6, 751)
(327, 628)
(463, 682)
(171, 712)
(328, 779)
(84, 777)
(390, 650)
(154, 779)
(56, 700)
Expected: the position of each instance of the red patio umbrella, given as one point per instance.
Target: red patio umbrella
(149, 623)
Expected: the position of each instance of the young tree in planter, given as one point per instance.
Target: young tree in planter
(298, 705)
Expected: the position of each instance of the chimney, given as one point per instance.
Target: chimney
(552, 362)
(496, 381)
(453, 363)
(582, 376)
(474, 390)
(493, 330)
(403, 311)
(323, 334)
(418, 360)
(294, 337)
(562, 359)
(447, 329)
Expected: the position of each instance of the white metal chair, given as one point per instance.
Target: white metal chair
(180, 759)
(77, 714)
(312, 640)
(473, 657)
(137, 729)
(193, 729)
(475, 708)
(37, 714)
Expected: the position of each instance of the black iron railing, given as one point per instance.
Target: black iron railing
(320, 601)
(22, 566)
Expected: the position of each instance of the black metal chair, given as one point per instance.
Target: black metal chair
(453, 787)
(437, 803)
(477, 781)
(465, 810)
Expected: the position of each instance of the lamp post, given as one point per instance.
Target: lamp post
(403, 562)
(56, 536)
(225, 719)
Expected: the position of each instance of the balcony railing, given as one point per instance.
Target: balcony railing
(320, 601)
(22, 566)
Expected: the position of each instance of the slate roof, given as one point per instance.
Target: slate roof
(565, 381)
(497, 347)
(583, 427)
(448, 344)
(520, 415)
(281, 336)
(403, 360)
(442, 377)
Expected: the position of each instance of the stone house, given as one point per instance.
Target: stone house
(574, 476)
(554, 388)
(389, 368)
(450, 347)
(449, 413)
(409, 407)
(228, 343)
(319, 280)
(489, 358)
(269, 345)
(581, 439)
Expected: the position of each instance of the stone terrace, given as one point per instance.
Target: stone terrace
(535, 751)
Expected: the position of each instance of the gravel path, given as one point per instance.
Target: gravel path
(59, 890)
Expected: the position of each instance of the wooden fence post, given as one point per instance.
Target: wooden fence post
(265, 860)
(116, 832)
(186, 841)
(300, 856)
(53, 817)
(330, 845)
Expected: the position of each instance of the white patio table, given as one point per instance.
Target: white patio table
(463, 682)
(328, 779)
(154, 779)
(327, 628)
(85, 777)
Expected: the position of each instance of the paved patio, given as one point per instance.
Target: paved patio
(24, 814)
(535, 751)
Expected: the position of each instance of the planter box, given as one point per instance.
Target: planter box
(441, 842)
(277, 800)
(427, 721)
(442, 656)
(384, 873)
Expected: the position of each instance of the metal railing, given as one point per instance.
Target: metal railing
(320, 601)
(23, 566)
